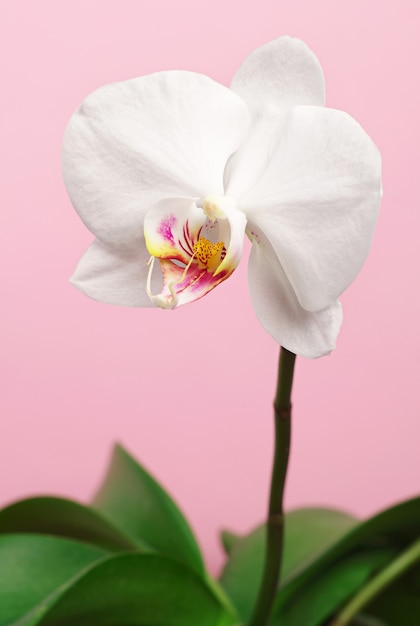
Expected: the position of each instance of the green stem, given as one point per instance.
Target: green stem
(275, 520)
(374, 587)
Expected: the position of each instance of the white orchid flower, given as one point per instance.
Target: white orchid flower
(175, 167)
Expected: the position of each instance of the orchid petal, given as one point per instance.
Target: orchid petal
(114, 277)
(195, 253)
(307, 334)
(272, 79)
(318, 201)
(135, 142)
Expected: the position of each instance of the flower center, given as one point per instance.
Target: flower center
(208, 254)
(197, 245)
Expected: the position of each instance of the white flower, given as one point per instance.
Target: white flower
(175, 167)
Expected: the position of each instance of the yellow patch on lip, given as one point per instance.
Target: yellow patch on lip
(208, 253)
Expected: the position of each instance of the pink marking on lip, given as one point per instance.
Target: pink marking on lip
(165, 228)
(207, 280)
(188, 240)
(190, 284)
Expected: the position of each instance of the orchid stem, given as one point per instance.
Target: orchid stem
(275, 519)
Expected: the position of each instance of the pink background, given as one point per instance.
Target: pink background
(77, 375)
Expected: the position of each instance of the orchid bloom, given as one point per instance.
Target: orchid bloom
(175, 168)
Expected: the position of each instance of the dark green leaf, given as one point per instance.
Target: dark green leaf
(399, 604)
(132, 500)
(396, 527)
(368, 620)
(57, 516)
(33, 566)
(332, 588)
(303, 565)
(308, 532)
(135, 590)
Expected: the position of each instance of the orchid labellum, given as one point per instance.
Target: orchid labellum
(170, 171)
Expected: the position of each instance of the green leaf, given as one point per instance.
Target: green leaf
(228, 540)
(308, 532)
(33, 566)
(396, 527)
(135, 589)
(304, 563)
(132, 500)
(334, 586)
(368, 620)
(399, 604)
(57, 516)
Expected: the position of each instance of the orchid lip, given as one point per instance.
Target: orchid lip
(194, 246)
(159, 299)
(207, 254)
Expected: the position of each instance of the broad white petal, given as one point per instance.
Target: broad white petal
(272, 79)
(308, 334)
(278, 75)
(135, 142)
(318, 201)
(114, 277)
